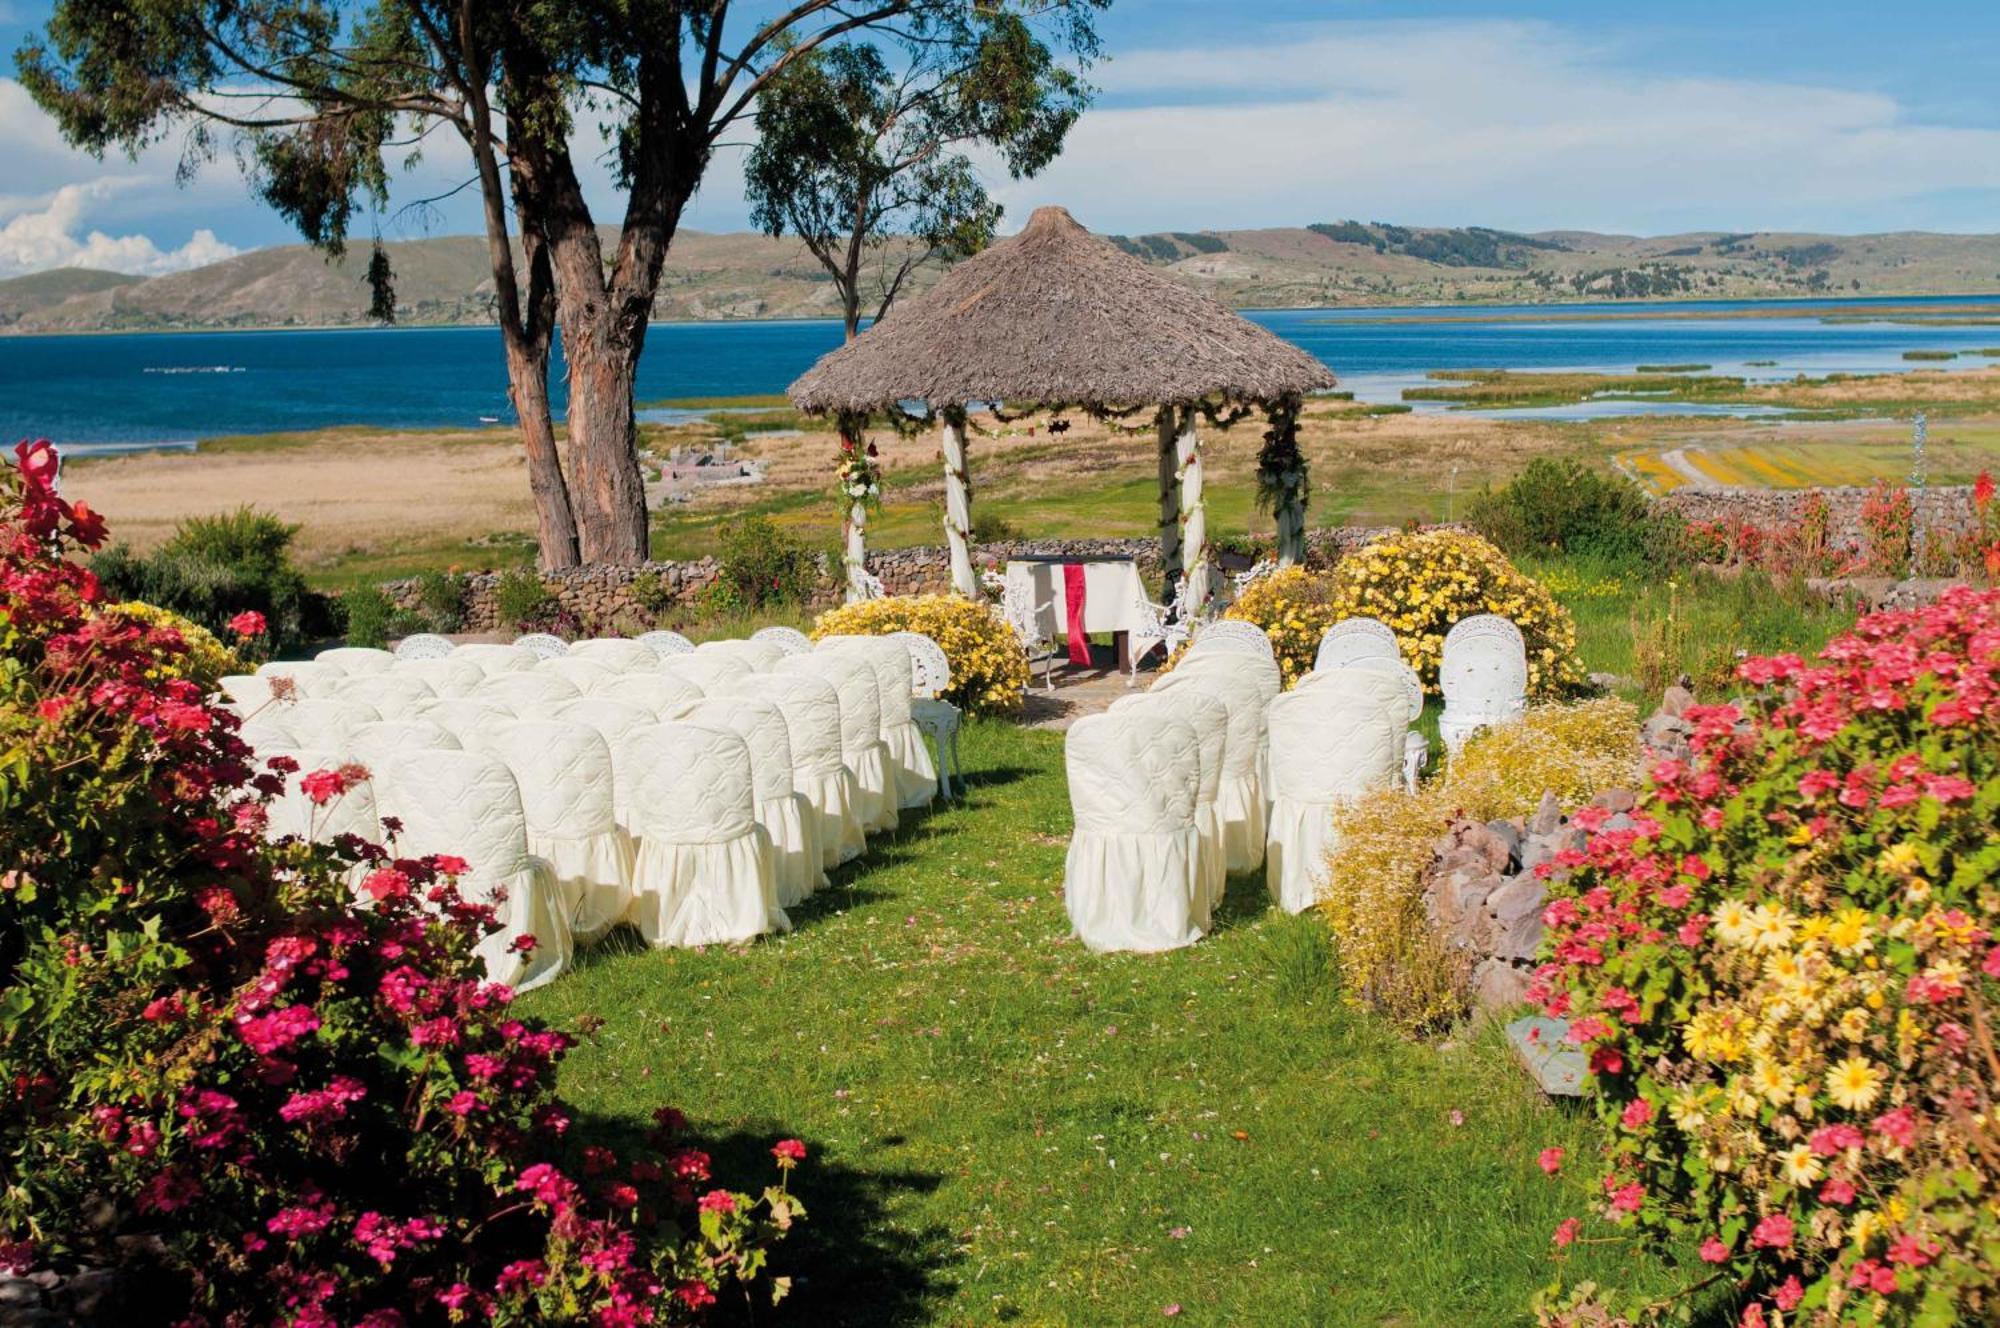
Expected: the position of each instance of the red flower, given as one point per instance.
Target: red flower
(717, 1201)
(1551, 1160)
(386, 883)
(1982, 488)
(1714, 1251)
(695, 1295)
(789, 1152)
(248, 623)
(322, 786)
(1774, 1232)
(1566, 1232)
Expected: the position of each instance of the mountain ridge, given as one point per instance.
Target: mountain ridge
(444, 281)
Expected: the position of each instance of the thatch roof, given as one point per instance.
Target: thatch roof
(1057, 315)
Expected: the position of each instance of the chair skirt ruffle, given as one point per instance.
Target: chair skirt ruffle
(593, 877)
(1295, 851)
(833, 795)
(1239, 801)
(793, 828)
(910, 759)
(1134, 892)
(716, 893)
(878, 803)
(529, 904)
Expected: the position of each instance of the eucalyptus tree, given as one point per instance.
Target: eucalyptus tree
(323, 99)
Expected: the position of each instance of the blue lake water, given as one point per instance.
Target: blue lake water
(177, 388)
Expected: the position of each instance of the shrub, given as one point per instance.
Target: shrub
(215, 567)
(1783, 975)
(308, 1112)
(368, 611)
(989, 527)
(1563, 506)
(1887, 522)
(651, 594)
(522, 600)
(764, 565)
(442, 598)
(988, 670)
(195, 655)
(1390, 958)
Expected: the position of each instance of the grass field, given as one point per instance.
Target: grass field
(1006, 1128)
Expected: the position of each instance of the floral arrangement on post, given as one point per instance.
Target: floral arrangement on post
(1283, 479)
(859, 479)
(311, 1111)
(1784, 975)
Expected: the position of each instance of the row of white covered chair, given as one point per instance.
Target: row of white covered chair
(694, 793)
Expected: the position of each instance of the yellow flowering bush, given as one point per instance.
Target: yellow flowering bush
(1294, 607)
(989, 672)
(1784, 976)
(1390, 959)
(204, 659)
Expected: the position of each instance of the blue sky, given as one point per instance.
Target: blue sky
(1648, 118)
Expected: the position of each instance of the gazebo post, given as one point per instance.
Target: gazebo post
(1194, 516)
(957, 500)
(852, 428)
(1170, 504)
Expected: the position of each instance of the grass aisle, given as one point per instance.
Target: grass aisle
(1007, 1128)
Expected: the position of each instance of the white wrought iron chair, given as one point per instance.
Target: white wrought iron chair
(1354, 639)
(667, 643)
(866, 585)
(788, 639)
(1165, 623)
(930, 679)
(1484, 678)
(1020, 612)
(423, 645)
(544, 644)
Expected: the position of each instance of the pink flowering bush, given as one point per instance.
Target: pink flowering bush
(1784, 973)
(319, 1113)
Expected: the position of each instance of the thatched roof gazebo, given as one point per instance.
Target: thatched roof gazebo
(1057, 318)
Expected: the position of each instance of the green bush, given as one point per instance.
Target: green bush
(368, 613)
(992, 528)
(651, 594)
(1563, 506)
(763, 564)
(442, 595)
(521, 599)
(215, 567)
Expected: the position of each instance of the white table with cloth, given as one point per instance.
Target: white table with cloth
(1113, 599)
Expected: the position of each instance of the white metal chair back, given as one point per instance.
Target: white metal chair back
(1484, 673)
(666, 643)
(930, 667)
(1233, 633)
(790, 640)
(542, 645)
(423, 645)
(1019, 611)
(1354, 639)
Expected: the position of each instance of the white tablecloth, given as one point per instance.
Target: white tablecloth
(1112, 593)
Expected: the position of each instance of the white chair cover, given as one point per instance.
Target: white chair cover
(1353, 639)
(248, 692)
(585, 675)
(445, 676)
(268, 735)
(665, 643)
(423, 645)
(1239, 795)
(467, 804)
(493, 658)
(542, 645)
(390, 693)
(616, 653)
(568, 794)
(1330, 743)
(935, 717)
(1132, 879)
(788, 640)
(465, 717)
(1241, 659)
(1234, 633)
(372, 742)
(356, 659)
(327, 723)
(783, 812)
(711, 672)
(704, 873)
(861, 745)
(663, 694)
(1484, 678)
(895, 675)
(1209, 719)
(528, 694)
(309, 677)
(352, 813)
(759, 655)
(811, 708)
(615, 722)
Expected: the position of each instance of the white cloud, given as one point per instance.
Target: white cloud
(1497, 123)
(47, 237)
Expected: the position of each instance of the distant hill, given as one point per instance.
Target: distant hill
(708, 276)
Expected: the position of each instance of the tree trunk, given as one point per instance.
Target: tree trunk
(958, 502)
(1170, 507)
(528, 387)
(606, 486)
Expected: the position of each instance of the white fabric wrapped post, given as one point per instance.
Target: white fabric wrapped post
(661, 693)
(704, 870)
(564, 770)
(1484, 678)
(466, 804)
(615, 653)
(529, 693)
(357, 659)
(586, 675)
(446, 676)
(1132, 879)
(783, 812)
(493, 658)
(1239, 797)
(909, 759)
(861, 747)
(811, 708)
(1209, 719)
(615, 721)
(1330, 743)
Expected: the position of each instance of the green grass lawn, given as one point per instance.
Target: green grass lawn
(1007, 1128)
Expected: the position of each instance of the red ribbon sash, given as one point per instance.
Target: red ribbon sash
(1079, 641)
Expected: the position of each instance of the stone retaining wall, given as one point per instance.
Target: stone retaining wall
(1941, 509)
(604, 595)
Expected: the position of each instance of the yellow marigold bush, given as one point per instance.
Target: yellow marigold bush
(1390, 960)
(988, 670)
(205, 659)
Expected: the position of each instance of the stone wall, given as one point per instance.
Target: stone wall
(604, 595)
(1943, 509)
